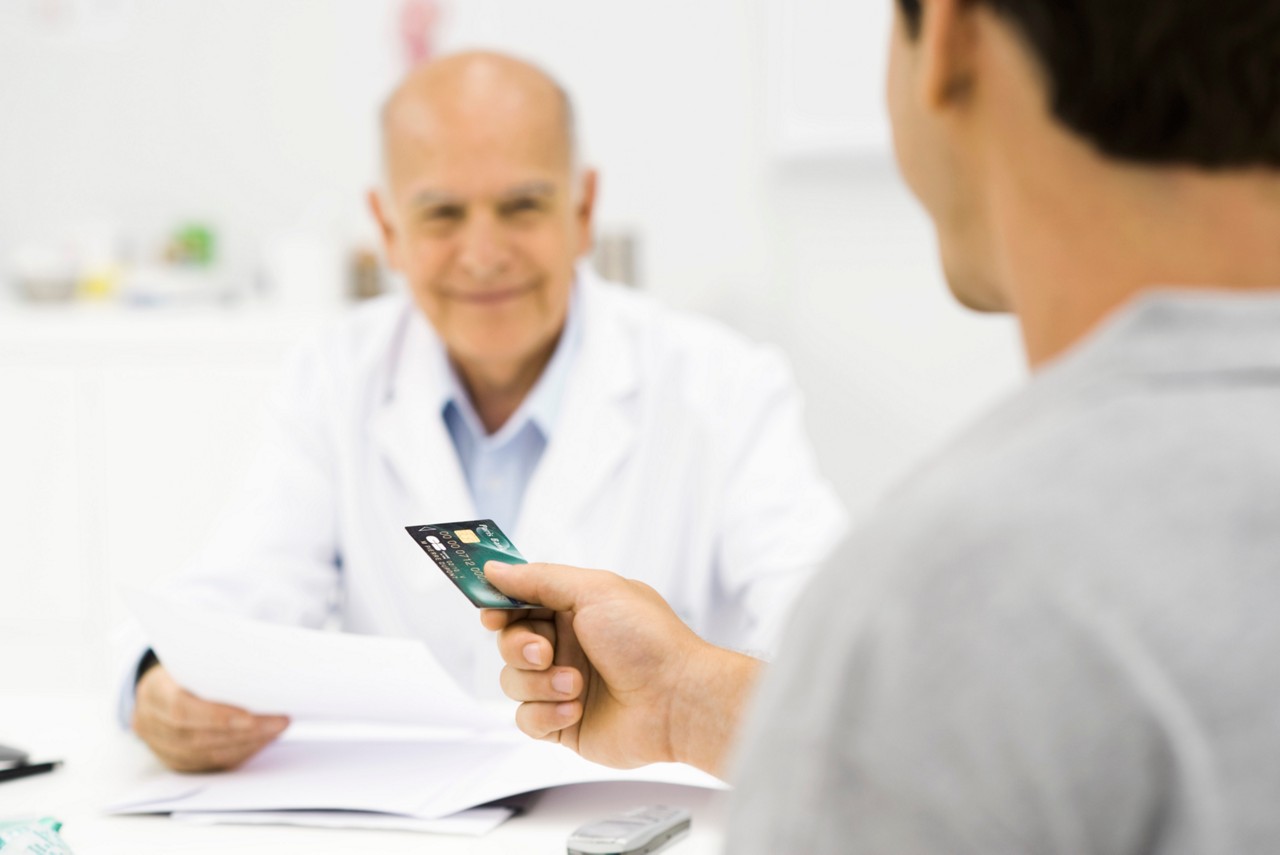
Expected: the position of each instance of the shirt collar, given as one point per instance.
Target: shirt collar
(539, 408)
(1184, 331)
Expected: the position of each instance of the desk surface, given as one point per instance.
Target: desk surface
(101, 762)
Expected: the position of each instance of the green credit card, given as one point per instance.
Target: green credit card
(461, 549)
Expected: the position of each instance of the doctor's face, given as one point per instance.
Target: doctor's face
(485, 219)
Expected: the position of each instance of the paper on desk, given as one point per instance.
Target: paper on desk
(469, 823)
(421, 779)
(305, 673)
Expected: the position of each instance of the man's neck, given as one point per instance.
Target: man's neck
(1072, 256)
(497, 389)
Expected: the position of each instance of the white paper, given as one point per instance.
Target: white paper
(526, 765)
(457, 754)
(306, 673)
(469, 823)
(420, 779)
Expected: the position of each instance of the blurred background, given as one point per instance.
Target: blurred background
(182, 198)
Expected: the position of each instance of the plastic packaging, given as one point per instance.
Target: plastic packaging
(32, 837)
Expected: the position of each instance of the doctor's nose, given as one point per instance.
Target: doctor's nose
(484, 254)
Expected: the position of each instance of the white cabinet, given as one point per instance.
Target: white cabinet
(122, 437)
(43, 500)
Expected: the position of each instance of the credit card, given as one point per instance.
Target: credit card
(460, 550)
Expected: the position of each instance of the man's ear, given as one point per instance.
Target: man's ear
(948, 44)
(586, 210)
(386, 228)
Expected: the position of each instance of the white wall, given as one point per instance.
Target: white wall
(891, 364)
(259, 115)
(224, 111)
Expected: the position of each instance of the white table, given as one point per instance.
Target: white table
(102, 762)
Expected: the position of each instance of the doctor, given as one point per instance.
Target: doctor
(592, 424)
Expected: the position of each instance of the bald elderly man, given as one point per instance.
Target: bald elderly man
(592, 424)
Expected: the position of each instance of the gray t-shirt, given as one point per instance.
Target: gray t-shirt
(1063, 635)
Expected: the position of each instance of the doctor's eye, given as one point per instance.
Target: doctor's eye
(521, 205)
(442, 214)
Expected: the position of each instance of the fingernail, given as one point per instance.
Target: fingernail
(565, 710)
(563, 682)
(533, 653)
(242, 722)
(275, 725)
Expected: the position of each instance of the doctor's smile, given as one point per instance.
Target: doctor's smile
(489, 297)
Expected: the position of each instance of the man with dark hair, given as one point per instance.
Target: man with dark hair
(1191, 82)
(1057, 637)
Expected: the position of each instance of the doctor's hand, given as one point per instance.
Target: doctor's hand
(610, 671)
(193, 735)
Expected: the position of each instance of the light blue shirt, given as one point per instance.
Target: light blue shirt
(499, 466)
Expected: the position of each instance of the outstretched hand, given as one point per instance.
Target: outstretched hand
(606, 668)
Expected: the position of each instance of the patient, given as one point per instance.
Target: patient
(1058, 636)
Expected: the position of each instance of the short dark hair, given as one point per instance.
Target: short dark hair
(1194, 82)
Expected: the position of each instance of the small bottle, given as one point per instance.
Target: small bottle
(365, 275)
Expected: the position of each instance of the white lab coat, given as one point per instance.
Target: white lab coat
(678, 457)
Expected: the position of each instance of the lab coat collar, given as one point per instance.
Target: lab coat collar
(406, 428)
(596, 427)
(606, 360)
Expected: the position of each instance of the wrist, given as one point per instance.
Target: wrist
(708, 706)
(148, 661)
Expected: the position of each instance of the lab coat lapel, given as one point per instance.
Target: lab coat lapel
(594, 430)
(407, 430)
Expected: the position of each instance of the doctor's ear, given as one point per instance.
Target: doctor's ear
(386, 227)
(585, 208)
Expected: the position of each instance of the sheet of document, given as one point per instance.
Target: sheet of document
(382, 732)
(424, 779)
(469, 823)
(305, 673)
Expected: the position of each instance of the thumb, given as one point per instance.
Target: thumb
(552, 586)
